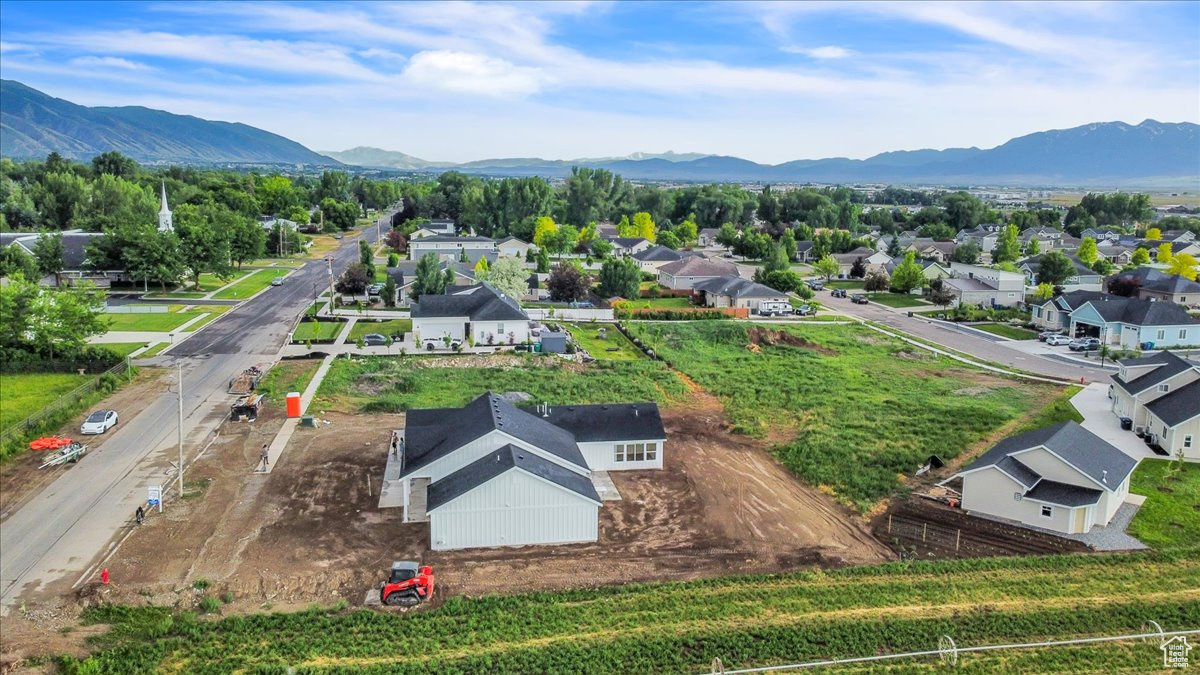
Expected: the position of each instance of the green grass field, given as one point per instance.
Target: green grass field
(1171, 516)
(391, 385)
(276, 262)
(182, 295)
(25, 394)
(318, 331)
(213, 312)
(385, 328)
(682, 627)
(160, 323)
(122, 348)
(1005, 330)
(287, 376)
(848, 284)
(154, 350)
(588, 337)
(856, 409)
(897, 300)
(658, 303)
(210, 282)
(249, 286)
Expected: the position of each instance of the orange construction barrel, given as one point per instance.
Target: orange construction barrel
(293, 404)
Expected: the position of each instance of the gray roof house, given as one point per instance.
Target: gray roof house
(405, 275)
(75, 263)
(1130, 323)
(1161, 394)
(1084, 279)
(734, 291)
(656, 256)
(1155, 284)
(452, 248)
(629, 245)
(478, 314)
(1062, 478)
(493, 474)
(685, 273)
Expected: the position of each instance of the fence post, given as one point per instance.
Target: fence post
(957, 538)
(889, 523)
(924, 530)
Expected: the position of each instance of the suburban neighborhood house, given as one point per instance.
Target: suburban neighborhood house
(404, 274)
(684, 274)
(511, 247)
(1154, 284)
(734, 291)
(1160, 394)
(1084, 278)
(481, 312)
(872, 261)
(650, 259)
(452, 248)
(1062, 478)
(627, 246)
(75, 267)
(1128, 323)
(493, 474)
(977, 285)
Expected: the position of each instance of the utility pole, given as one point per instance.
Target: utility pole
(180, 366)
(329, 268)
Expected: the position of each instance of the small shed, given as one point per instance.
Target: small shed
(554, 342)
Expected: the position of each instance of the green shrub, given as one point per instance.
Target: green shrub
(209, 604)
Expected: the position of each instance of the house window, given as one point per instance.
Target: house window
(1187, 442)
(1162, 334)
(1182, 333)
(1164, 388)
(651, 451)
(500, 329)
(1047, 512)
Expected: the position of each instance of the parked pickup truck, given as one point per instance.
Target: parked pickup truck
(838, 292)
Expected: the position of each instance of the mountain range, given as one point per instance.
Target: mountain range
(32, 124)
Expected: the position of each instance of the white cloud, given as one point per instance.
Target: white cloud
(108, 62)
(8, 47)
(468, 73)
(826, 52)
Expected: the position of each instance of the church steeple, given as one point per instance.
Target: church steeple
(164, 212)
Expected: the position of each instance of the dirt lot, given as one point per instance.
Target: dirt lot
(310, 531)
(20, 478)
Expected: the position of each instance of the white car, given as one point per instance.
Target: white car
(1058, 340)
(99, 422)
(277, 281)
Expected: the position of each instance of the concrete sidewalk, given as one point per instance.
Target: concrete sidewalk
(1095, 406)
(279, 443)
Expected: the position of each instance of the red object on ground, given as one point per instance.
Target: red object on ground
(408, 586)
(49, 443)
(293, 404)
(104, 576)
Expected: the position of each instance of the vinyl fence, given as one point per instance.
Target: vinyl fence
(64, 402)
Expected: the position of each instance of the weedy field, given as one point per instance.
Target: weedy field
(682, 627)
(850, 410)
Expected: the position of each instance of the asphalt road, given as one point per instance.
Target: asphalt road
(57, 535)
(979, 347)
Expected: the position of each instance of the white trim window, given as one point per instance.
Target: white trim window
(1182, 333)
(1162, 334)
(1187, 442)
(635, 452)
(1047, 512)
(1164, 388)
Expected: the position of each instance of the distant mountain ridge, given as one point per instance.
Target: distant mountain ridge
(33, 124)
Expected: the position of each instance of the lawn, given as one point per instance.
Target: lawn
(682, 627)
(1059, 410)
(898, 300)
(287, 376)
(388, 328)
(212, 311)
(181, 295)
(249, 286)
(1005, 330)
(122, 348)
(160, 323)
(154, 350)
(588, 337)
(852, 410)
(323, 245)
(27, 393)
(384, 384)
(210, 282)
(1171, 516)
(658, 303)
(275, 262)
(849, 284)
(318, 331)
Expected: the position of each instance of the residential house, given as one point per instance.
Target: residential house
(1116, 254)
(442, 226)
(1178, 235)
(734, 291)
(1062, 478)
(931, 268)
(481, 312)
(269, 223)
(984, 236)
(1042, 233)
(404, 274)
(1161, 394)
(687, 272)
(606, 230)
(804, 251)
(1130, 323)
(986, 286)
(656, 256)
(1191, 248)
(627, 246)
(75, 265)
(708, 236)
(873, 261)
(1055, 313)
(492, 474)
(511, 247)
(1084, 278)
(1155, 284)
(452, 248)
(934, 250)
(1101, 234)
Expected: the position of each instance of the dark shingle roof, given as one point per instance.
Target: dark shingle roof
(802, 246)
(1169, 365)
(658, 253)
(737, 287)
(500, 461)
(699, 266)
(1177, 406)
(608, 422)
(1087, 452)
(1081, 268)
(1023, 474)
(627, 242)
(1063, 494)
(451, 239)
(434, 433)
(479, 303)
(1139, 312)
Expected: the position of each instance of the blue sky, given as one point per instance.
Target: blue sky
(769, 82)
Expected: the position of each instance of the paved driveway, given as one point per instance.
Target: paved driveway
(1095, 406)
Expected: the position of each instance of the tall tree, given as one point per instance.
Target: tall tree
(114, 164)
(247, 241)
(644, 227)
(567, 283)
(1054, 268)
(1140, 256)
(827, 267)
(1087, 251)
(1033, 248)
(49, 251)
(1164, 253)
(508, 276)
(620, 278)
(1008, 247)
(1183, 264)
(908, 275)
(430, 279)
(202, 248)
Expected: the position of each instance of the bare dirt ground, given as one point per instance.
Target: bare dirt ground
(20, 478)
(310, 530)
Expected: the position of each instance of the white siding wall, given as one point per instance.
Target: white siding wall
(1172, 440)
(435, 328)
(990, 491)
(602, 457)
(500, 330)
(513, 509)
